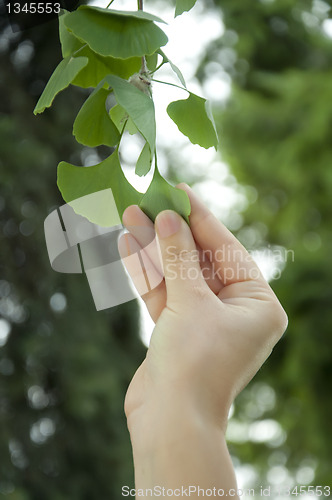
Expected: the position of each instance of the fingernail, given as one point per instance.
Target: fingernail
(133, 212)
(167, 223)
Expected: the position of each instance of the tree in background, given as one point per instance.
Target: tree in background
(64, 368)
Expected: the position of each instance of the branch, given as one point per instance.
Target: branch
(144, 69)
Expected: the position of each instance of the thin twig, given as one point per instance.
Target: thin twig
(171, 84)
(158, 67)
(144, 69)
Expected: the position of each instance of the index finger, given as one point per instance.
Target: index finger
(232, 263)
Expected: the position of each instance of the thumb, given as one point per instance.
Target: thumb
(180, 257)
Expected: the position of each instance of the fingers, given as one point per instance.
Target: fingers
(180, 258)
(155, 300)
(230, 260)
(147, 280)
(142, 228)
(176, 256)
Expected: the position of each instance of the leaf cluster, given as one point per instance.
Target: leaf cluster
(116, 54)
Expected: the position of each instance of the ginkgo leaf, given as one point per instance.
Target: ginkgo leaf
(69, 43)
(143, 164)
(105, 30)
(98, 66)
(62, 76)
(93, 125)
(194, 119)
(75, 182)
(183, 6)
(162, 196)
(139, 107)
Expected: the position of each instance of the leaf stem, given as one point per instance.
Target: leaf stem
(158, 67)
(171, 84)
(156, 162)
(122, 131)
(110, 3)
(144, 68)
(121, 135)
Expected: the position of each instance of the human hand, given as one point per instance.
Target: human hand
(217, 319)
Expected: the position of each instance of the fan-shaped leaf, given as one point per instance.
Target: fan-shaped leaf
(183, 6)
(115, 33)
(194, 119)
(75, 182)
(62, 76)
(162, 196)
(98, 66)
(93, 125)
(69, 42)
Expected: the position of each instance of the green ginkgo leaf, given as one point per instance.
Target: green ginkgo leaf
(194, 119)
(105, 30)
(76, 182)
(93, 125)
(183, 6)
(143, 164)
(162, 196)
(139, 106)
(69, 43)
(62, 76)
(98, 66)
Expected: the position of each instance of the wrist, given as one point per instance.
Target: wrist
(176, 447)
(167, 417)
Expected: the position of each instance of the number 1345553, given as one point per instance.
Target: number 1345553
(33, 8)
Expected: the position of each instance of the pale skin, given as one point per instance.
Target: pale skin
(213, 331)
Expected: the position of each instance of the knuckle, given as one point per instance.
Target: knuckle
(279, 319)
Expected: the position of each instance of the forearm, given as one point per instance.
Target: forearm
(179, 450)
